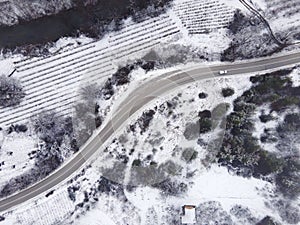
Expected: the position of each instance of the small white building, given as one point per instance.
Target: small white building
(188, 214)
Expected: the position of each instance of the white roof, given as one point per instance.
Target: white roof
(189, 216)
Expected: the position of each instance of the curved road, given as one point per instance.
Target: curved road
(134, 102)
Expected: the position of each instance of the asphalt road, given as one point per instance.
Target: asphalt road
(135, 101)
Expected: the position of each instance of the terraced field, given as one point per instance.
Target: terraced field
(52, 82)
(203, 16)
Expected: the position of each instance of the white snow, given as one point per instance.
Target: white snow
(215, 184)
(95, 217)
(295, 76)
(260, 4)
(51, 81)
(14, 153)
(6, 66)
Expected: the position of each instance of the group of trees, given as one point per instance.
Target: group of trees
(241, 152)
(250, 39)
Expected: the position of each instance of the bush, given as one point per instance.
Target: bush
(52, 128)
(265, 118)
(17, 128)
(212, 213)
(240, 150)
(226, 92)
(121, 77)
(268, 163)
(287, 181)
(11, 91)
(136, 162)
(145, 119)
(109, 187)
(173, 188)
(204, 114)
(243, 214)
(287, 212)
(284, 102)
(267, 221)
(202, 95)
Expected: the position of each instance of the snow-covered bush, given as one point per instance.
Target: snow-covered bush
(243, 215)
(287, 212)
(11, 91)
(226, 92)
(171, 187)
(211, 213)
(267, 221)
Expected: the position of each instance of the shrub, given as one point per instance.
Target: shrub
(204, 114)
(202, 95)
(145, 119)
(173, 188)
(243, 214)
(267, 221)
(110, 187)
(136, 162)
(226, 92)
(287, 181)
(212, 213)
(11, 91)
(284, 102)
(288, 212)
(268, 163)
(121, 77)
(265, 118)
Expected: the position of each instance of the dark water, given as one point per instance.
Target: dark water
(89, 20)
(43, 30)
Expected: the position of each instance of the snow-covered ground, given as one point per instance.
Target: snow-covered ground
(53, 82)
(209, 187)
(283, 16)
(17, 154)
